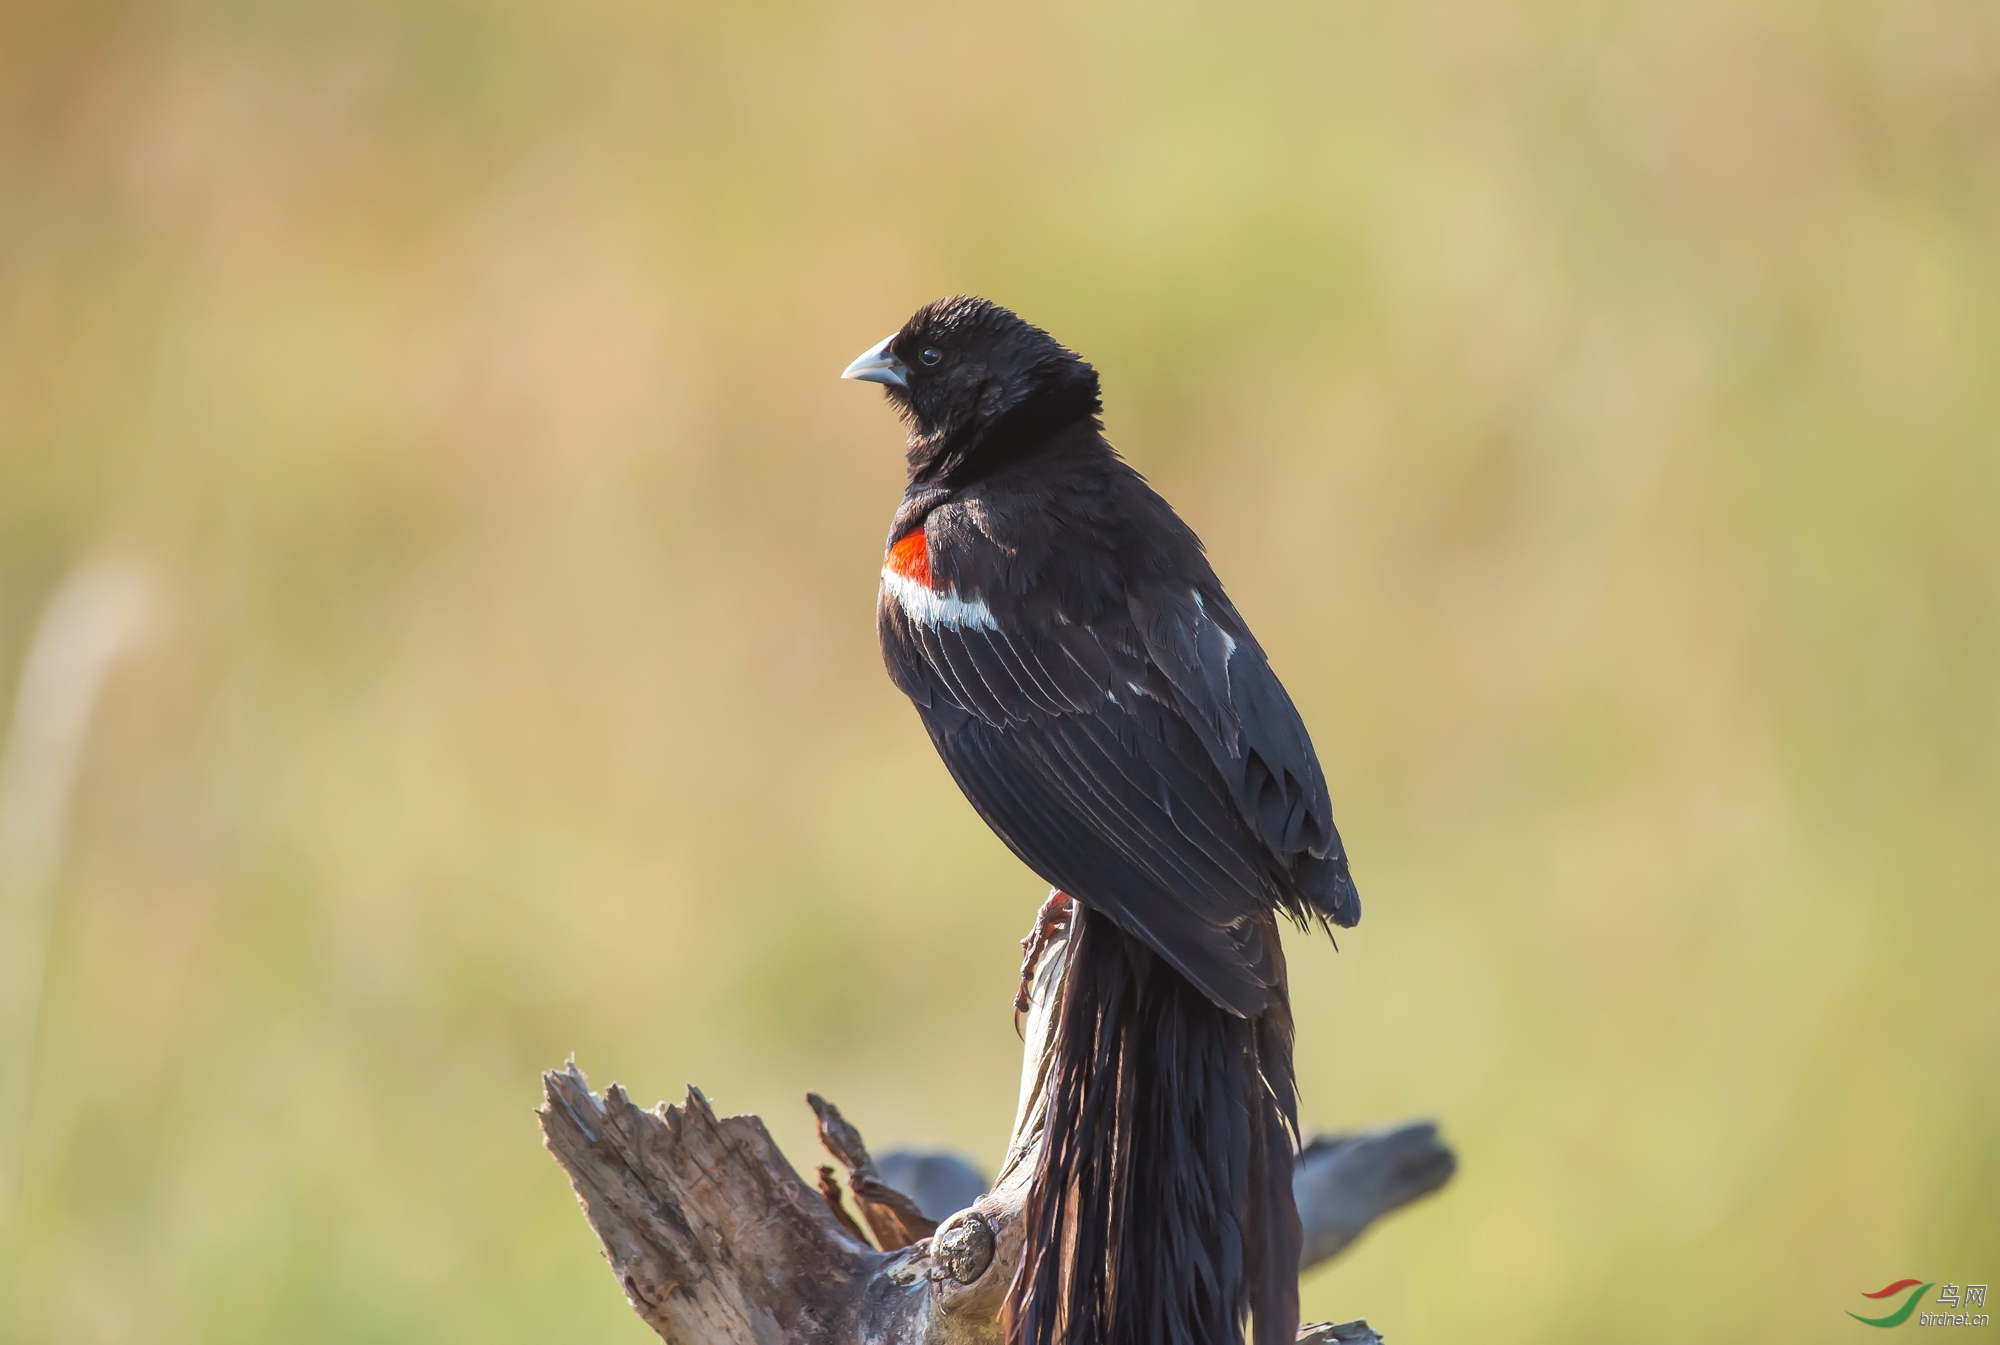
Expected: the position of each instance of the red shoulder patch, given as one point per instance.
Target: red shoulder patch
(910, 557)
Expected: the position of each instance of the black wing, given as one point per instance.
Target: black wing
(1174, 791)
(1224, 686)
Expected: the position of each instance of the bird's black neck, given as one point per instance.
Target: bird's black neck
(1043, 426)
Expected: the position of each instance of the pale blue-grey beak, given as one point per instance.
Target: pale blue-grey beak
(877, 365)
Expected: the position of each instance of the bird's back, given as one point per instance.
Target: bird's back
(1107, 712)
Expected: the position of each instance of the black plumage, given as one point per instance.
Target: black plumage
(1107, 711)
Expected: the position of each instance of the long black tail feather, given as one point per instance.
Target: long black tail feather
(1161, 1213)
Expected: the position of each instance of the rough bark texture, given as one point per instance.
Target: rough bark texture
(892, 1217)
(712, 1234)
(718, 1241)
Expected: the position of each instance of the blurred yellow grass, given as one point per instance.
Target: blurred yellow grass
(1594, 410)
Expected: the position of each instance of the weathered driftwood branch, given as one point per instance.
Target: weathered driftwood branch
(717, 1240)
(1344, 1183)
(892, 1217)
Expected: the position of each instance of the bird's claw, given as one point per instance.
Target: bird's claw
(1050, 921)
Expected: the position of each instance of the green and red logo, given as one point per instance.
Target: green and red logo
(1955, 1305)
(1902, 1314)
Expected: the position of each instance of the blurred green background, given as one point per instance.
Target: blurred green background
(1595, 408)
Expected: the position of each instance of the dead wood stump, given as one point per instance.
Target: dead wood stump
(718, 1241)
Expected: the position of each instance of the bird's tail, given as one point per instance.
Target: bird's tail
(1161, 1213)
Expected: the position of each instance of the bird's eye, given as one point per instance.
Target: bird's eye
(930, 355)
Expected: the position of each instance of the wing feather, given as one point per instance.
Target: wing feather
(1148, 762)
(1226, 691)
(1072, 747)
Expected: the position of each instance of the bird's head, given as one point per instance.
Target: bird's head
(975, 382)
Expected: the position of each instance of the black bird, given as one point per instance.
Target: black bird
(1108, 713)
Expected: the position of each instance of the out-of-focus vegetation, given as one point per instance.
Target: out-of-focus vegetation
(1596, 409)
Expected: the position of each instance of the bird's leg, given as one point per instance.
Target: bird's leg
(1050, 921)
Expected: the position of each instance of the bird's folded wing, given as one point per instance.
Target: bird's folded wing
(1070, 745)
(1224, 687)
